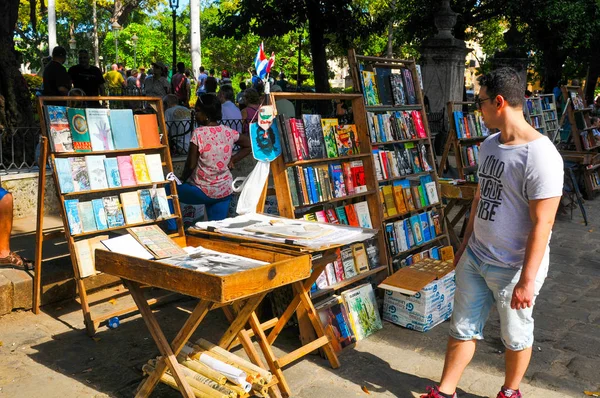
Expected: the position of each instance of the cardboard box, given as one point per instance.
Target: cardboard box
(431, 301)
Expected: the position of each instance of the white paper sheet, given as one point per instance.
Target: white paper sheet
(126, 244)
(233, 374)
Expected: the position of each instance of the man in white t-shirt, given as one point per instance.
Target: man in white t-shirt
(231, 115)
(504, 257)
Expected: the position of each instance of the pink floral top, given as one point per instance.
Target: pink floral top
(212, 175)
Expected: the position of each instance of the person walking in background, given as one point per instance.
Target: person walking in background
(252, 101)
(142, 76)
(505, 253)
(207, 178)
(133, 82)
(87, 78)
(56, 80)
(114, 80)
(282, 82)
(202, 81)
(180, 85)
(157, 85)
(211, 83)
(239, 98)
(231, 115)
(225, 79)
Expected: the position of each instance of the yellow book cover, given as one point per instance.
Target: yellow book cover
(139, 167)
(360, 257)
(399, 199)
(388, 197)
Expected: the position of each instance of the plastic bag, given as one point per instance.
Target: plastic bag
(251, 188)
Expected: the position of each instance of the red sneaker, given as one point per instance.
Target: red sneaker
(506, 393)
(434, 392)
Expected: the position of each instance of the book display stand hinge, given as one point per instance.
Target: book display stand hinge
(91, 321)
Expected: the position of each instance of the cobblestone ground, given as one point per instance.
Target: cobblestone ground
(50, 355)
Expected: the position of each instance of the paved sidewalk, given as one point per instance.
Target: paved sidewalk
(50, 355)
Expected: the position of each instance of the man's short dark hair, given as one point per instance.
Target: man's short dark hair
(59, 51)
(83, 51)
(180, 67)
(242, 85)
(227, 93)
(202, 69)
(210, 105)
(505, 82)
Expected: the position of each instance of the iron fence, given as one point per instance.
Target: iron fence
(19, 149)
(180, 132)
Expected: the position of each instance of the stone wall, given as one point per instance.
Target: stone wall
(24, 188)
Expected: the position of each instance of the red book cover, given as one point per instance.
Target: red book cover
(384, 165)
(302, 135)
(416, 115)
(297, 140)
(352, 217)
(348, 178)
(467, 129)
(331, 216)
(338, 267)
(358, 176)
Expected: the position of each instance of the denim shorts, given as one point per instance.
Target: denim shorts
(3, 193)
(478, 286)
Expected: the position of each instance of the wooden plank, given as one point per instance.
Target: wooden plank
(39, 232)
(270, 324)
(314, 96)
(301, 352)
(241, 319)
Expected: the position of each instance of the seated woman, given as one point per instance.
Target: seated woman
(206, 176)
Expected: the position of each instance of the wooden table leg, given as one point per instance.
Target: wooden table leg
(241, 319)
(167, 351)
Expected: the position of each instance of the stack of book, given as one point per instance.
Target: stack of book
(395, 126)
(384, 86)
(320, 183)
(315, 138)
(470, 155)
(92, 129)
(416, 230)
(469, 125)
(400, 160)
(405, 196)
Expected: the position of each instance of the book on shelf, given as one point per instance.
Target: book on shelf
(126, 172)
(80, 136)
(85, 253)
(114, 214)
(72, 212)
(62, 168)
(328, 126)
(81, 180)
(123, 127)
(348, 264)
(98, 122)
(340, 211)
(359, 180)
(370, 88)
(96, 171)
(132, 210)
(351, 215)
(348, 181)
(111, 166)
(160, 203)
(314, 136)
(59, 132)
(86, 214)
(138, 160)
(398, 92)
(147, 131)
(361, 261)
(409, 86)
(334, 317)
(363, 311)
(347, 140)
(146, 205)
(382, 75)
(415, 230)
(362, 214)
(156, 241)
(99, 214)
(372, 250)
(155, 168)
(128, 245)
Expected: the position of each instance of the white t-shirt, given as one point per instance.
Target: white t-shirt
(509, 177)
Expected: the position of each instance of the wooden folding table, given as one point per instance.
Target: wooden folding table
(460, 196)
(245, 290)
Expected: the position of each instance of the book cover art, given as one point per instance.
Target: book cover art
(363, 215)
(418, 122)
(59, 131)
(415, 223)
(86, 214)
(99, 214)
(123, 127)
(331, 216)
(213, 262)
(138, 160)
(425, 230)
(114, 214)
(146, 127)
(370, 88)
(361, 260)
(160, 204)
(65, 178)
(96, 171)
(132, 211)
(81, 180)
(314, 136)
(409, 86)
(99, 129)
(341, 214)
(126, 171)
(372, 249)
(384, 85)
(348, 262)
(334, 318)
(397, 86)
(351, 215)
(328, 126)
(79, 130)
(156, 241)
(72, 211)
(432, 195)
(347, 140)
(362, 309)
(146, 205)
(337, 178)
(347, 171)
(359, 180)
(399, 200)
(155, 168)
(265, 144)
(111, 165)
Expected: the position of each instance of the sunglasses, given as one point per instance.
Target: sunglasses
(479, 101)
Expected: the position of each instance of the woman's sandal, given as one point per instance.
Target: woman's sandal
(13, 260)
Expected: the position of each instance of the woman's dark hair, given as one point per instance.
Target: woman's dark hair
(210, 105)
(505, 82)
(251, 96)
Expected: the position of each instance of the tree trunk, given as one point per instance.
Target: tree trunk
(51, 26)
(95, 33)
(390, 49)
(317, 47)
(15, 106)
(195, 36)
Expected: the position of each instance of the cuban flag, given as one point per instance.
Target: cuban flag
(262, 64)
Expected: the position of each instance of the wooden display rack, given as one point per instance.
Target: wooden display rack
(544, 116)
(243, 290)
(580, 122)
(91, 321)
(360, 113)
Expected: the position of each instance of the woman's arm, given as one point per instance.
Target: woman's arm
(191, 162)
(245, 149)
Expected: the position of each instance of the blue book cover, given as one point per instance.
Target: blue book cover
(340, 211)
(99, 214)
(435, 253)
(73, 216)
(415, 224)
(431, 225)
(337, 177)
(313, 184)
(113, 177)
(425, 227)
(63, 171)
(146, 205)
(86, 214)
(124, 134)
(114, 214)
(457, 123)
(307, 182)
(410, 238)
(389, 230)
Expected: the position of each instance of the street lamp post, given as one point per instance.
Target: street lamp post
(174, 5)
(134, 39)
(116, 28)
(73, 47)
